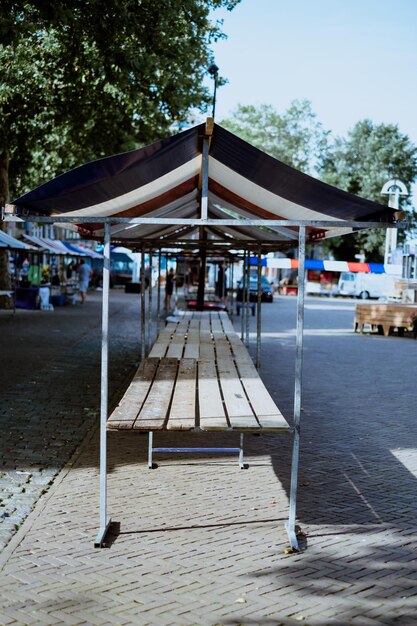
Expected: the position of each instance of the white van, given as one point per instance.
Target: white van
(364, 285)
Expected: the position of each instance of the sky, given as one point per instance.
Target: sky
(353, 59)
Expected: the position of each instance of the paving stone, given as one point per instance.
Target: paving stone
(201, 542)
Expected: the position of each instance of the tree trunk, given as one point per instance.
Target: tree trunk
(4, 198)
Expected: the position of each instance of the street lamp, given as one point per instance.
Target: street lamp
(213, 70)
(394, 188)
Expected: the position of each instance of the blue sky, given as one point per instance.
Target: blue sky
(352, 58)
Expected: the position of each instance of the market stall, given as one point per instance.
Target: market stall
(202, 189)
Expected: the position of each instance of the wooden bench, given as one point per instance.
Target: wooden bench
(198, 377)
(386, 316)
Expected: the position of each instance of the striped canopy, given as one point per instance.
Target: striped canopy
(164, 180)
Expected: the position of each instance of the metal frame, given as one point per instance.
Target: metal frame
(187, 221)
(201, 222)
(247, 306)
(142, 306)
(105, 521)
(196, 450)
(258, 314)
(150, 316)
(290, 524)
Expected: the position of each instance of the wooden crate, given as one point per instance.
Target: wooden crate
(386, 316)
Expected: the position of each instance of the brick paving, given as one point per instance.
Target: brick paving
(49, 388)
(196, 543)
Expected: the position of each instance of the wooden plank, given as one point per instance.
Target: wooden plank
(175, 350)
(178, 338)
(266, 411)
(216, 325)
(182, 414)
(237, 406)
(226, 322)
(205, 325)
(211, 409)
(155, 409)
(207, 351)
(159, 350)
(222, 347)
(193, 335)
(126, 412)
(191, 351)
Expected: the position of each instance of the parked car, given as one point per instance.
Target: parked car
(366, 285)
(121, 270)
(267, 293)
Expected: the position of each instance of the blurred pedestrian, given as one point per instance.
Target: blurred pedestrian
(84, 274)
(169, 288)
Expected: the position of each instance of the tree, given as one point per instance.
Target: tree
(92, 77)
(81, 79)
(294, 137)
(371, 155)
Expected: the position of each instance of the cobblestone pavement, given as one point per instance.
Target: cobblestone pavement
(199, 542)
(49, 385)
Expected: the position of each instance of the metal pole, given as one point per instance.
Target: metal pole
(241, 462)
(297, 389)
(202, 272)
(176, 284)
(242, 307)
(150, 316)
(204, 177)
(142, 305)
(166, 304)
(258, 314)
(213, 113)
(150, 449)
(158, 304)
(232, 299)
(104, 520)
(247, 307)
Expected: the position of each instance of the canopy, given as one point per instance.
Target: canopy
(7, 241)
(81, 251)
(44, 244)
(167, 180)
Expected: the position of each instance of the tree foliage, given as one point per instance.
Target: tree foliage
(371, 155)
(295, 137)
(84, 78)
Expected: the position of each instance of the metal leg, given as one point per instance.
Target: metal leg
(247, 305)
(243, 301)
(231, 288)
(158, 301)
(290, 525)
(258, 313)
(150, 449)
(241, 463)
(104, 519)
(150, 314)
(142, 306)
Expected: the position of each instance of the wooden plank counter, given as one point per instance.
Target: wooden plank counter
(198, 376)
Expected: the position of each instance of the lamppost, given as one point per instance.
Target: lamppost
(394, 188)
(213, 70)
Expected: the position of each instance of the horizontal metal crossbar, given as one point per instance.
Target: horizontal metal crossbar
(226, 450)
(205, 222)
